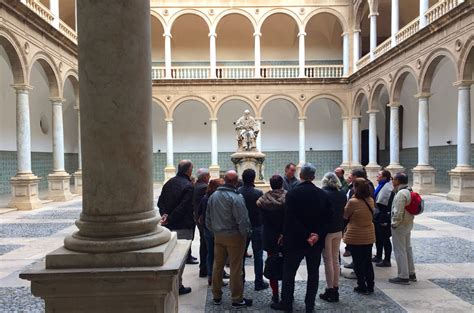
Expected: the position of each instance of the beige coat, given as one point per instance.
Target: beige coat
(400, 216)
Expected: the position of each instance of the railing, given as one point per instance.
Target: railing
(408, 30)
(363, 61)
(41, 10)
(383, 47)
(68, 31)
(324, 71)
(235, 72)
(440, 8)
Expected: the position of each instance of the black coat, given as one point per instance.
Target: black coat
(308, 210)
(200, 189)
(338, 200)
(176, 200)
(251, 195)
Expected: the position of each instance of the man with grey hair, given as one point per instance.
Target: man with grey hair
(308, 212)
(176, 208)
(200, 188)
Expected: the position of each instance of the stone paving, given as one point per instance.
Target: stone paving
(442, 241)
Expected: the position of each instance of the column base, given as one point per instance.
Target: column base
(25, 192)
(462, 184)
(395, 169)
(112, 289)
(214, 171)
(170, 172)
(78, 182)
(372, 172)
(59, 187)
(424, 179)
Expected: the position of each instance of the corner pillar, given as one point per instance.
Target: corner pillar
(214, 169)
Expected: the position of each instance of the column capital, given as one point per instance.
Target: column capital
(302, 118)
(344, 118)
(259, 34)
(57, 100)
(213, 119)
(345, 34)
(212, 34)
(167, 34)
(373, 14)
(372, 112)
(393, 105)
(169, 120)
(22, 87)
(463, 83)
(77, 108)
(301, 34)
(356, 117)
(423, 95)
(258, 118)
(357, 30)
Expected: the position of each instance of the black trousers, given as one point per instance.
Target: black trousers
(363, 268)
(382, 243)
(291, 263)
(202, 251)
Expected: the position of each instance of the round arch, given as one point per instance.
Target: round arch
(180, 101)
(280, 11)
(48, 65)
(292, 100)
(357, 101)
(429, 66)
(15, 56)
(398, 80)
(181, 13)
(335, 99)
(377, 88)
(466, 61)
(236, 12)
(73, 76)
(359, 8)
(162, 106)
(160, 19)
(335, 13)
(221, 103)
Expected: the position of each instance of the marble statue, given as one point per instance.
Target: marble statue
(247, 130)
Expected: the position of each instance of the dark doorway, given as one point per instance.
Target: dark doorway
(365, 147)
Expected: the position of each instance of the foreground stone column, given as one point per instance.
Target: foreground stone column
(302, 141)
(259, 121)
(373, 34)
(356, 51)
(395, 21)
(302, 55)
(78, 173)
(257, 54)
(423, 173)
(373, 167)
(170, 170)
(356, 142)
(424, 6)
(168, 73)
(345, 143)
(24, 184)
(213, 54)
(345, 54)
(214, 169)
(462, 177)
(395, 167)
(59, 182)
(121, 259)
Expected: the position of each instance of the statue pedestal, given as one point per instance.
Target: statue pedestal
(249, 159)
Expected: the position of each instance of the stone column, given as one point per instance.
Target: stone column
(356, 52)
(302, 141)
(345, 143)
(121, 258)
(424, 6)
(24, 184)
(356, 142)
(78, 173)
(75, 15)
(395, 21)
(345, 54)
(373, 34)
(54, 8)
(214, 169)
(394, 166)
(259, 121)
(168, 37)
(59, 182)
(257, 54)
(462, 177)
(213, 54)
(423, 173)
(302, 58)
(170, 170)
(373, 167)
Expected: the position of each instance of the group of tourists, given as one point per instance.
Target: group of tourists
(292, 221)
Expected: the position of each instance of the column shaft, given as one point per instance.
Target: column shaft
(302, 141)
(423, 131)
(54, 8)
(302, 57)
(214, 150)
(373, 35)
(259, 137)
(356, 52)
(58, 135)
(424, 6)
(168, 55)
(79, 148)
(395, 21)
(169, 144)
(373, 138)
(345, 54)
(464, 126)
(355, 141)
(394, 135)
(213, 55)
(345, 141)
(23, 132)
(257, 54)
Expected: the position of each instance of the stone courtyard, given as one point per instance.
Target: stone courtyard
(442, 241)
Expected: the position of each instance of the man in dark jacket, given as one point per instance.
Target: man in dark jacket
(251, 195)
(308, 212)
(289, 179)
(200, 188)
(176, 207)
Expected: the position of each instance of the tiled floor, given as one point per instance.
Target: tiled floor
(442, 241)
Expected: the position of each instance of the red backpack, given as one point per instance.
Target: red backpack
(417, 204)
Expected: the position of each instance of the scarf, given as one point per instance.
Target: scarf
(379, 187)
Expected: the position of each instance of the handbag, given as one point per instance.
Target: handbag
(274, 267)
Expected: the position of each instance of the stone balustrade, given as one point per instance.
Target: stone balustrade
(408, 30)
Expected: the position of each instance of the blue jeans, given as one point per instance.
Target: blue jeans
(210, 251)
(257, 247)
